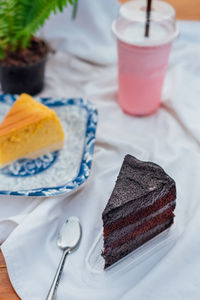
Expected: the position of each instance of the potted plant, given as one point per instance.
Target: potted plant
(22, 55)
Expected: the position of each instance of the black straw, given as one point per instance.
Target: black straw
(148, 13)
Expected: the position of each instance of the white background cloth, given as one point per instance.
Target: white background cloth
(171, 138)
(91, 30)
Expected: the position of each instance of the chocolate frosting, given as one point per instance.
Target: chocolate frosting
(138, 184)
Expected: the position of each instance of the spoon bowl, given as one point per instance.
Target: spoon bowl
(70, 234)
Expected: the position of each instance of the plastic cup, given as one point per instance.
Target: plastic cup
(143, 61)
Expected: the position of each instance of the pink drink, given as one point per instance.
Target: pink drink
(142, 61)
(141, 75)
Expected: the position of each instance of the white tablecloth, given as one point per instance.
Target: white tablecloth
(170, 138)
(89, 31)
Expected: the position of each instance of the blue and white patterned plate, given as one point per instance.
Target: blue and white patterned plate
(61, 171)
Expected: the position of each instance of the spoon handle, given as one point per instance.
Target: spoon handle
(54, 285)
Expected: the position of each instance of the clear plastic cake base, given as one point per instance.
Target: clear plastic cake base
(141, 260)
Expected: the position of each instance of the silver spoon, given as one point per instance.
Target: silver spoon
(68, 239)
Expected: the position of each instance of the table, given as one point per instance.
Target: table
(187, 10)
(6, 290)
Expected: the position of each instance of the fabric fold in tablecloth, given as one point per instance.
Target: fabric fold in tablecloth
(171, 138)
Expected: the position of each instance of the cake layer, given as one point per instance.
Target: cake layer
(140, 214)
(113, 255)
(53, 147)
(123, 231)
(29, 140)
(144, 227)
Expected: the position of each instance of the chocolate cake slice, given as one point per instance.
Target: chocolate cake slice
(140, 207)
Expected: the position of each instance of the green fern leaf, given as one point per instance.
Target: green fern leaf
(20, 19)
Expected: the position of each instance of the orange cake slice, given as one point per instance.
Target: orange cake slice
(30, 129)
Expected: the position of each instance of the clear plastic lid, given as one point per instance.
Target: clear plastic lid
(136, 9)
(130, 25)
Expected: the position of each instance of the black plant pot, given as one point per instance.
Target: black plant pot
(23, 79)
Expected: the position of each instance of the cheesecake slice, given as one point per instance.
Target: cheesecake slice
(29, 129)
